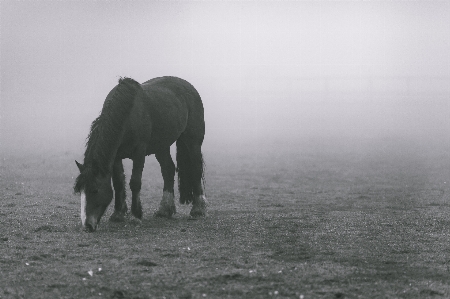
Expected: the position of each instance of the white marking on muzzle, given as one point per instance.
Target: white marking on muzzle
(83, 208)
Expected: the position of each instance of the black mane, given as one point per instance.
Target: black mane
(105, 129)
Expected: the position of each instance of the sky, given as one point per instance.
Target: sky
(266, 70)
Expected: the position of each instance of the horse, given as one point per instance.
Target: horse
(138, 120)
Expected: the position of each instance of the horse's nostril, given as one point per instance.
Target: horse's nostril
(89, 228)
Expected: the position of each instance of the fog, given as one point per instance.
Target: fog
(267, 71)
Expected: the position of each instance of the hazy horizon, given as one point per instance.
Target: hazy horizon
(266, 71)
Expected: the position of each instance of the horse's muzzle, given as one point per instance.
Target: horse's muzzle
(91, 225)
(89, 228)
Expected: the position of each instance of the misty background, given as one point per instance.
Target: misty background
(270, 72)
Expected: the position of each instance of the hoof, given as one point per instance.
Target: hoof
(199, 207)
(136, 211)
(166, 212)
(197, 212)
(117, 217)
(135, 221)
(167, 206)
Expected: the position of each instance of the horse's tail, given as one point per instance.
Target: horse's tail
(190, 167)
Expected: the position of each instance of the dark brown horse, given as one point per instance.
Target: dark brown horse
(138, 120)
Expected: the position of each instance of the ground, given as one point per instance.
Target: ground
(357, 219)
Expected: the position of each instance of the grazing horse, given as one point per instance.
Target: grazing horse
(138, 120)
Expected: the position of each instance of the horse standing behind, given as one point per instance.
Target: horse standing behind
(138, 120)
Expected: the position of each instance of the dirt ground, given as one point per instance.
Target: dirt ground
(360, 219)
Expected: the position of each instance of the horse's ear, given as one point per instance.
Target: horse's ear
(80, 166)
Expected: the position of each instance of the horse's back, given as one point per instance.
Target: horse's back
(171, 85)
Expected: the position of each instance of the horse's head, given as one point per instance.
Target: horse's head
(96, 194)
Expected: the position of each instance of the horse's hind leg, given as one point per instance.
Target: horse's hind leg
(199, 203)
(167, 205)
(120, 205)
(189, 157)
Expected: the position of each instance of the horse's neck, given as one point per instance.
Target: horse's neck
(108, 129)
(104, 154)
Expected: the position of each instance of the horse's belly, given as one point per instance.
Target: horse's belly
(164, 138)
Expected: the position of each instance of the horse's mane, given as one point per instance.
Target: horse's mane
(105, 130)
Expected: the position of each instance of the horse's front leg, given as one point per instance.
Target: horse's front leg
(135, 185)
(120, 205)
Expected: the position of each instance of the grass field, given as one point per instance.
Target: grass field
(359, 219)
